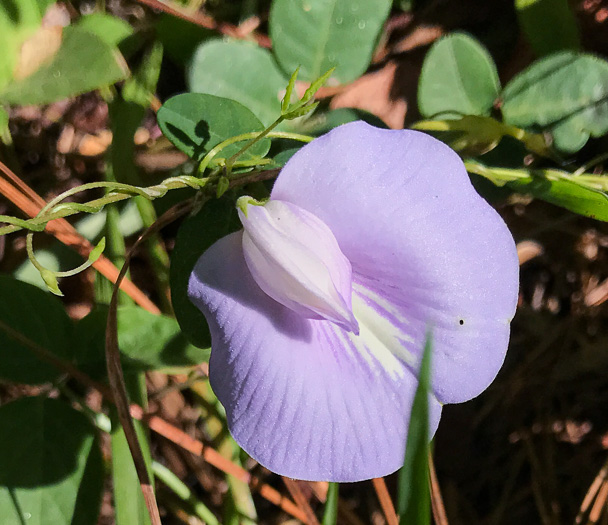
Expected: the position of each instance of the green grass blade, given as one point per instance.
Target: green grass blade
(413, 498)
(330, 516)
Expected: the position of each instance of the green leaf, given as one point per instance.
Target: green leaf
(566, 93)
(549, 25)
(111, 29)
(301, 111)
(222, 186)
(18, 21)
(180, 38)
(140, 88)
(458, 78)
(97, 251)
(239, 71)
(565, 193)
(31, 319)
(322, 122)
(316, 85)
(43, 5)
(197, 122)
(51, 469)
(146, 342)
(196, 234)
(126, 113)
(320, 34)
(50, 279)
(83, 63)
(288, 92)
(5, 133)
(404, 5)
(304, 105)
(128, 498)
(330, 515)
(413, 498)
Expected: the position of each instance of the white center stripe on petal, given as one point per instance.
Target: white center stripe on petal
(381, 341)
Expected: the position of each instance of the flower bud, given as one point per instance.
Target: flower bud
(294, 258)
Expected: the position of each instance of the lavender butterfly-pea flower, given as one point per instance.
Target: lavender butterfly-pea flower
(320, 307)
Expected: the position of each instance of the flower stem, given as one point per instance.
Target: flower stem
(254, 140)
(252, 137)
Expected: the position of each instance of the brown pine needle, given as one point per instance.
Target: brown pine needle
(319, 489)
(439, 513)
(293, 486)
(206, 21)
(385, 501)
(600, 504)
(599, 480)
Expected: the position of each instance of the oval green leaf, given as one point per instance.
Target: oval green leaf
(549, 25)
(111, 29)
(566, 93)
(197, 122)
(239, 71)
(458, 78)
(146, 342)
(31, 322)
(83, 62)
(320, 34)
(18, 21)
(180, 38)
(51, 469)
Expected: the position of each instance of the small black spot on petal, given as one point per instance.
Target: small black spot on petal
(461, 322)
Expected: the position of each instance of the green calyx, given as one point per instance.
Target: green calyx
(246, 200)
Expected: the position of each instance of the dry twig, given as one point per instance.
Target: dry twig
(385, 501)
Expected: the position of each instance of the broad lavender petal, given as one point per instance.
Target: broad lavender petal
(295, 259)
(304, 397)
(430, 250)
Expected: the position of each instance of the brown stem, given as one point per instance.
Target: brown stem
(439, 513)
(298, 496)
(115, 373)
(207, 22)
(385, 501)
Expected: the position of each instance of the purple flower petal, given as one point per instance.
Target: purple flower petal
(300, 396)
(311, 400)
(431, 251)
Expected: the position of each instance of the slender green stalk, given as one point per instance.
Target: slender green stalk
(168, 478)
(128, 497)
(238, 504)
(253, 141)
(253, 137)
(330, 515)
(504, 175)
(119, 193)
(184, 493)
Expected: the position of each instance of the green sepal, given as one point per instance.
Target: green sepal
(287, 98)
(50, 279)
(222, 186)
